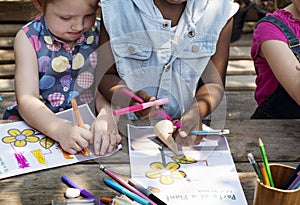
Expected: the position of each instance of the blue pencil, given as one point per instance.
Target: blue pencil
(209, 132)
(255, 166)
(291, 178)
(295, 183)
(125, 191)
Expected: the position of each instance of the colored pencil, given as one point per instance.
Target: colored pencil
(291, 178)
(123, 183)
(295, 183)
(264, 173)
(266, 163)
(125, 191)
(146, 192)
(209, 132)
(255, 166)
(85, 151)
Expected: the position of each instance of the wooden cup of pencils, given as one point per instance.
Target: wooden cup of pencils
(276, 195)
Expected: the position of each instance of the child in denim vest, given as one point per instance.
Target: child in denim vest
(275, 60)
(50, 54)
(175, 49)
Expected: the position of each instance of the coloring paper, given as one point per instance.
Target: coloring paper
(202, 174)
(24, 150)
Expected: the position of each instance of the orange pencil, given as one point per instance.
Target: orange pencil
(85, 151)
(264, 173)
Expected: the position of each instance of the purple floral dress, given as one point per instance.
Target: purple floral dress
(64, 72)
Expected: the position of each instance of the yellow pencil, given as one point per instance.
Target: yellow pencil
(266, 163)
(85, 151)
(264, 173)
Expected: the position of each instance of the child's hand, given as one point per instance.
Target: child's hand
(190, 121)
(143, 114)
(105, 132)
(73, 138)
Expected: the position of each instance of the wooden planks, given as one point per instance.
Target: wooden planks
(17, 11)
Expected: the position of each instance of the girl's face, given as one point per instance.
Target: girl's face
(69, 19)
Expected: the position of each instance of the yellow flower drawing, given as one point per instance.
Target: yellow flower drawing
(19, 138)
(166, 174)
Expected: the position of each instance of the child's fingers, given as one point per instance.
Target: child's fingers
(104, 144)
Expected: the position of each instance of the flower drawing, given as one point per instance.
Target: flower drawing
(166, 174)
(19, 138)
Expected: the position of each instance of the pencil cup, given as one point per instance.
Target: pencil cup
(268, 195)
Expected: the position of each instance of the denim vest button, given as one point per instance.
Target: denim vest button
(131, 49)
(167, 68)
(195, 48)
(191, 34)
(165, 24)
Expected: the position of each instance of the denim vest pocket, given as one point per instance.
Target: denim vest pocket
(130, 56)
(193, 60)
(198, 47)
(132, 50)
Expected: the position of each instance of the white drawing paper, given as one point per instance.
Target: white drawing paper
(206, 175)
(24, 149)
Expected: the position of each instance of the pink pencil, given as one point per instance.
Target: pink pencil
(139, 107)
(123, 183)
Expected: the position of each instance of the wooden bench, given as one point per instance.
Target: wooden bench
(240, 79)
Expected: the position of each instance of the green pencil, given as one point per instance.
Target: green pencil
(265, 159)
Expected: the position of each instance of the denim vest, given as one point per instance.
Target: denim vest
(280, 104)
(150, 57)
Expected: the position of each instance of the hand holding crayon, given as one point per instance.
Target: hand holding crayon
(85, 151)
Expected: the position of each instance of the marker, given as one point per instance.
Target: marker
(125, 191)
(255, 166)
(85, 151)
(139, 107)
(265, 159)
(159, 112)
(83, 192)
(164, 115)
(132, 95)
(146, 192)
(106, 200)
(264, 173)
(291, 178)
(123, 183)
(209, 132)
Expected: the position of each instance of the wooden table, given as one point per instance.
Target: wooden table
(281, 139)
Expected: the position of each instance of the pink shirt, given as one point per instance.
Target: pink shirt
(266, 82)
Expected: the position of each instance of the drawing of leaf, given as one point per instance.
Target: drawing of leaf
(182, 159)
(166, 179)
(47, 142)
